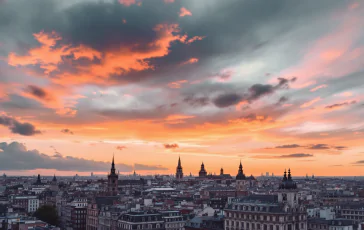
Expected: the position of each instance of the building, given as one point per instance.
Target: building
(74, 214)
(112, 185)
(351, 211)
(94, 209)
(141, 220)
(205, 222)
(179, 171)
(268, 212)
(243, 182)
(29, 203)
(202, 172)
(336, 224)
(173, 220)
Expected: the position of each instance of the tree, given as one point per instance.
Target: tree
(48, 214)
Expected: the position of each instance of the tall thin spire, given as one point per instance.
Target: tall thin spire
(179, 161)
(289, 174)
(285, 175)
(113, 165)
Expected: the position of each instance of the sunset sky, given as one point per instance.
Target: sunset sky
(276, 84)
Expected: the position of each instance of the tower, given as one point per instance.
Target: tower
(221, 172)
(202, 172)
(179, 171)
(241, 181)
(288, 190)
(112, 187)
(54, 184)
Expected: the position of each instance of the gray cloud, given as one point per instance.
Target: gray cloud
(287, 156)
(25, 129)
(319, 146)
(149, 167)
(15, 156)
(37, 92)
(282, 100)
(196, 101)
(226, 100)
(255, 92)
(335, 106)
(296, 155)
(288, 146)
(359, 162)
(67, 131)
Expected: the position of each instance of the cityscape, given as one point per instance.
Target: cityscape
(181, 115)
(206, 201)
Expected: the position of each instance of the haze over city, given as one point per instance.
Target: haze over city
(273, 84)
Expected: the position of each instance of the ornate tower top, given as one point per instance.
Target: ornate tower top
(241, 175)
(54, 178)
(179, 172)
(287, 182)
(221, 171)
(112, 171)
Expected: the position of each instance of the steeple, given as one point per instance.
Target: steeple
(287, 182)
(113, 180)
(112, 171)
(179, 162)
(179, 172)
(202, 172)
(221, 171)
(289, 174)
(241, 175)
(285, 175)
(54, 178)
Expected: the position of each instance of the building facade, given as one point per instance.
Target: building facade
(268, 212)
(141, 220)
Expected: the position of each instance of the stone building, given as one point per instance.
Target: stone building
(268, 212)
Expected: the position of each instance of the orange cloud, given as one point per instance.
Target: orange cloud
(169, 1)
(318, 87)
(309, 103)
(115, 62)
(184, 12)
(176, 84)
(190, 61)
(177, 118)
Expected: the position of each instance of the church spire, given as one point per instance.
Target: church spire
(179, 171)
(112, 165)
(285, 175)
(289, 174)
(179, 162)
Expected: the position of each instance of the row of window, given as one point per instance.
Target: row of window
(247, 225)
(263, 217)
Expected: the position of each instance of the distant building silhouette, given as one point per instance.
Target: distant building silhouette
(179, 171)
(202, 172)
(112, 187)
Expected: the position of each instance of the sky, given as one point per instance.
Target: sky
(273, 84)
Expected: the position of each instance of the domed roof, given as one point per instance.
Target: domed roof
(251, 177)
(287, 183)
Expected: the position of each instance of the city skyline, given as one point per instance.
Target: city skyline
(260, 82)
